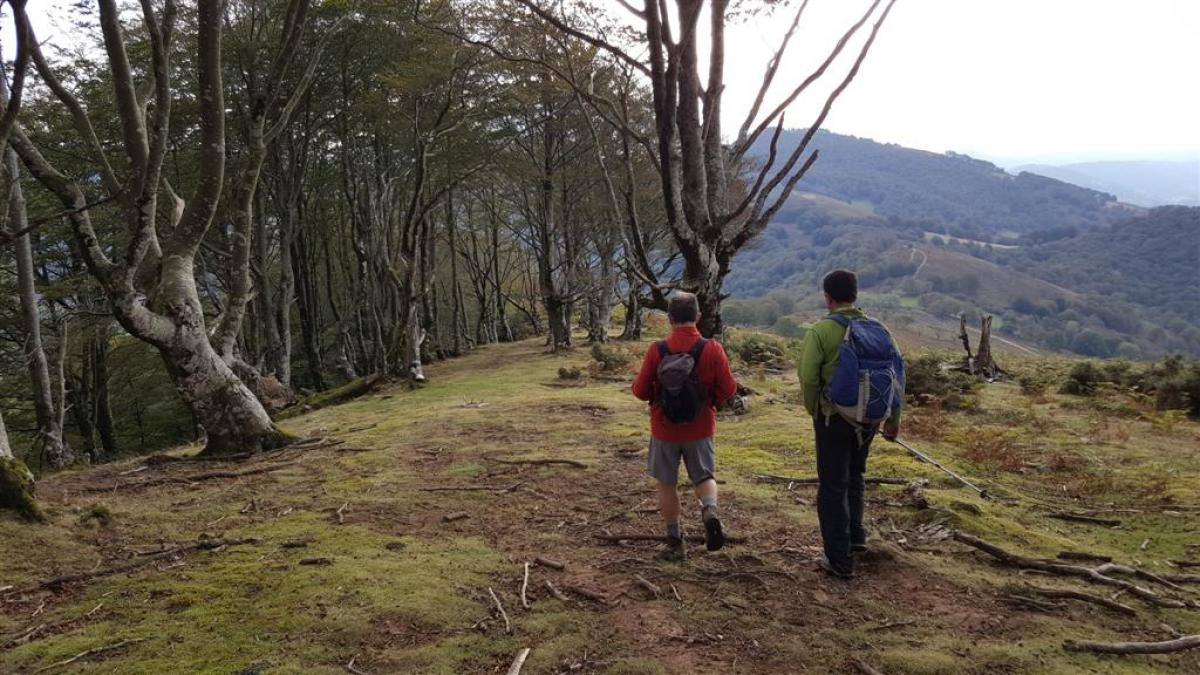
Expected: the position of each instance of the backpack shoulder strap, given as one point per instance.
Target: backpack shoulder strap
(840, 319)
(662, 349)
(697, 349)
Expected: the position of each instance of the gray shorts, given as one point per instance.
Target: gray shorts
(700, 457)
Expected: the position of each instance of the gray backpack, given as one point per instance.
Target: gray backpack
(681, 395)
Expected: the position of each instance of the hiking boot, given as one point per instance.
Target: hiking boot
(673, 550)
(714, 535)
(836, 572)
(858, 547)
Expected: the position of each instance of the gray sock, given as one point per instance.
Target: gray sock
(710, 500)
(673, 531)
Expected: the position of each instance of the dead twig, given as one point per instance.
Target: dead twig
(1166, 647)
(555, 592)
(590, 595)
(515, 668)
(186, 480)
(341, 513)
(648, 585)
(90, 652)
(457, 515)
(500, 608)
(316, 561)
(525, 587)
(350, 666)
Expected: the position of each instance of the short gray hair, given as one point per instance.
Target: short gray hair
(683, 307)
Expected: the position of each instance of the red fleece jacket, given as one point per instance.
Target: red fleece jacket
(714, 374)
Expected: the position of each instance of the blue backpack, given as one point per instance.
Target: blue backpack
(868, 384)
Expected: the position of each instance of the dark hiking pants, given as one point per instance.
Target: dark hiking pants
(841, 462)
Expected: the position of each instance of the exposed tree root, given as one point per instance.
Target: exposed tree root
(1080, 595)
(1087, 573)
(1166, 647)
(519, 661)
(500, 609)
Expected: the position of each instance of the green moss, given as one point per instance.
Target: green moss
(16, 490)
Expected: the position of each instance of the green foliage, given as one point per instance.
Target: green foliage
(1083, 379)
(757, 349)
(1175, 383)
(928, 382)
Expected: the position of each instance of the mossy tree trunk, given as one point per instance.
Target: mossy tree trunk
(16, 482)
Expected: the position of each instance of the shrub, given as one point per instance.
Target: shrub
(609, 358)
(757, 349)
(1174, 383)
(572, 373)
(1083, 379)
(928, 382)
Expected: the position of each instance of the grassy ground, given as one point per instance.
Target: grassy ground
(353, 558)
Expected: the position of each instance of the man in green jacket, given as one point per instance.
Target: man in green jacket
(842, 447)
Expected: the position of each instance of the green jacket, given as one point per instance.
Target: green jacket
(819, 361)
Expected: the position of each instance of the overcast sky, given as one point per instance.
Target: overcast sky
(1007, 80)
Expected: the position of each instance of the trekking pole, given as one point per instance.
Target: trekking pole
(922, 457)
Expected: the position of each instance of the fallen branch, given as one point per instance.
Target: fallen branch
(1065, 570)
(500, 607)
(525, 587)
(648, 585)
(547, 562)
(472, 488)
(555, 592)
(341, 513)
(694, 538)
(202, 545)
(1081, 518)
(515, 668)
(458, 515)
(784, 480)
(567, 462)
(1084, 597)
(590, 595)
(1166, 647)
(316, 561)
(1184, 563)
(90, 652)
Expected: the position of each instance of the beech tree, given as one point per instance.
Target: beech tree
(715, 201)
(151, 283)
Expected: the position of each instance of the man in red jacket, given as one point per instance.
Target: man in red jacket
(690, 438)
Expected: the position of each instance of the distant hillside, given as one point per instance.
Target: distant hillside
(1147, 183)
(1127, 289)
(949, 193)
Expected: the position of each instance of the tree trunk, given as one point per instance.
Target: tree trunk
(54, 447)
(234, 420)
(16, 482)
(102, 406)
(633, 316)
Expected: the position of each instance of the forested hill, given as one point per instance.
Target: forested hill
(949, 192)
